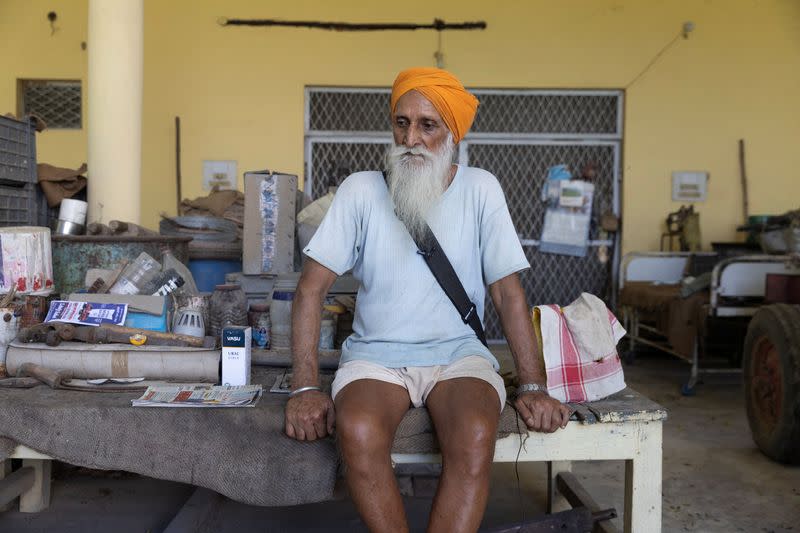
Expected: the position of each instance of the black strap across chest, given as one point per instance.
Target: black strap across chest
(431, 251)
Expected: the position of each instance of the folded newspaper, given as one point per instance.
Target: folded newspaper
(199, 396)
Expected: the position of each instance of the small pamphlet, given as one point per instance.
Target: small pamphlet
(200, 396)
(87, 313)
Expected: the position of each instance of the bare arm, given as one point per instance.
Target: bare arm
(309, 415)
(512, 306)
(314, 284)
(539, 411)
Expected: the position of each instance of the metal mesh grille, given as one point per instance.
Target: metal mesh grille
(509, 139)
(528, 112)
(521, 169)
(333, 161)
(546, 113)
(58, 103)
(349, 111)
(555, 279)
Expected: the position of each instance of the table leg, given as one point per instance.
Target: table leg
(555, 500)
(643, 482)
(5, 470)
(37, 498)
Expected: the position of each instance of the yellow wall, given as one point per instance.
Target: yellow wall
(28, 50)
(239, 91)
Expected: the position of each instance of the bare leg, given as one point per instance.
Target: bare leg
(465, 413)
(368, 412)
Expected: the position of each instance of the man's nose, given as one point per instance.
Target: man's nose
(412, 137)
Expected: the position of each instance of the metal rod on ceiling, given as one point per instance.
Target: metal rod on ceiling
(438, 25)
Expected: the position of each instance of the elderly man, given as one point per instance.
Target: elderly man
(410, 345)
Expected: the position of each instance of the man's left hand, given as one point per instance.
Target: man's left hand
(542, 412)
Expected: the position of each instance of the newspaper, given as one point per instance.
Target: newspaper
(87, 313)
(199, 396)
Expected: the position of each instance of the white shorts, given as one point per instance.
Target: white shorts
(420, 380)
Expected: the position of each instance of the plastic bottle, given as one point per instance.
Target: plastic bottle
(170, 261)
(263, 328)
(137, 275)
(167, 282)
(327, 332)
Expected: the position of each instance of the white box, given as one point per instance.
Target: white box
(269, 220)
(236, 353)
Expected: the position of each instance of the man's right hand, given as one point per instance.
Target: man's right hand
(310, 416)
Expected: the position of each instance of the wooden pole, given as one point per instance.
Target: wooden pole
(743, 174)
(178, 163)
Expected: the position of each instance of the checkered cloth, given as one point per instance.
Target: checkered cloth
(573, 376)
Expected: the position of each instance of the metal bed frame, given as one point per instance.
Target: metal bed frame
(737, 290)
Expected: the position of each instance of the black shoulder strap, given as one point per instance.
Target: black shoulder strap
(431, 251)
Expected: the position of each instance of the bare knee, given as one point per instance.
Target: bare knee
(470, 449)
(361, 435)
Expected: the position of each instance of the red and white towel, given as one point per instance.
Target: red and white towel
(579, 348)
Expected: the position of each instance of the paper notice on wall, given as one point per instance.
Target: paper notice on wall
(87, 313)
(567, 219)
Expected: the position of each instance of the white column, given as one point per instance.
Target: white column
(115, 109)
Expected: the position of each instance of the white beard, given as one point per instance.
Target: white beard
(416, 182)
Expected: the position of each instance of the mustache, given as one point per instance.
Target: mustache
(402, 152)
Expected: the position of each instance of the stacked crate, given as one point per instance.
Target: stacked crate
(20, 199)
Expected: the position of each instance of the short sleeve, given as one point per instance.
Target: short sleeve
(501, 251)
(336, 243)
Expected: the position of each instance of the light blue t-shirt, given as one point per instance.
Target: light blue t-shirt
(403, 317)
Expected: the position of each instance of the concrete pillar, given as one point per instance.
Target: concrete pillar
(116, 40)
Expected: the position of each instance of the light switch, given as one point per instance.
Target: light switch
(219, 173)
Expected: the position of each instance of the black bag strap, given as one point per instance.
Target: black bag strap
(431, 251)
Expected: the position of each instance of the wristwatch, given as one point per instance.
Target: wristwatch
(531, 387)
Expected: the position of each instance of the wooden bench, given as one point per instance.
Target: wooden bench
(626, 426)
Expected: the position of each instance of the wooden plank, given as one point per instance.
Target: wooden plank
(5, 469)
(643, 481)
(627, 406)
(15, 484)
(201, 505)
(555, 498)
(37, 498)
(577, 495)
(23, 452)
(576, 442)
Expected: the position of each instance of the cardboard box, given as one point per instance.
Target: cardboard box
(269, 222)
(236, 354)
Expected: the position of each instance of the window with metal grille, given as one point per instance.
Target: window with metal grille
(57, 102)
(534, 112)
(517, 135)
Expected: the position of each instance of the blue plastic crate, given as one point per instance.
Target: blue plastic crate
(17, 151)
(19, 205)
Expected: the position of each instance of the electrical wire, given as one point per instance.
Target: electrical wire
(656, 58)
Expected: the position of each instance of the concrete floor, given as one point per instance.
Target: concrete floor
(715, 479)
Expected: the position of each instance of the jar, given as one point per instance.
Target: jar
(228, 307)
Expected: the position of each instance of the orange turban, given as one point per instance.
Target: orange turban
(456, 106)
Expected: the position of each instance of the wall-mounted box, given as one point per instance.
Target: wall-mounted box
(220, 174)
(689, 186)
